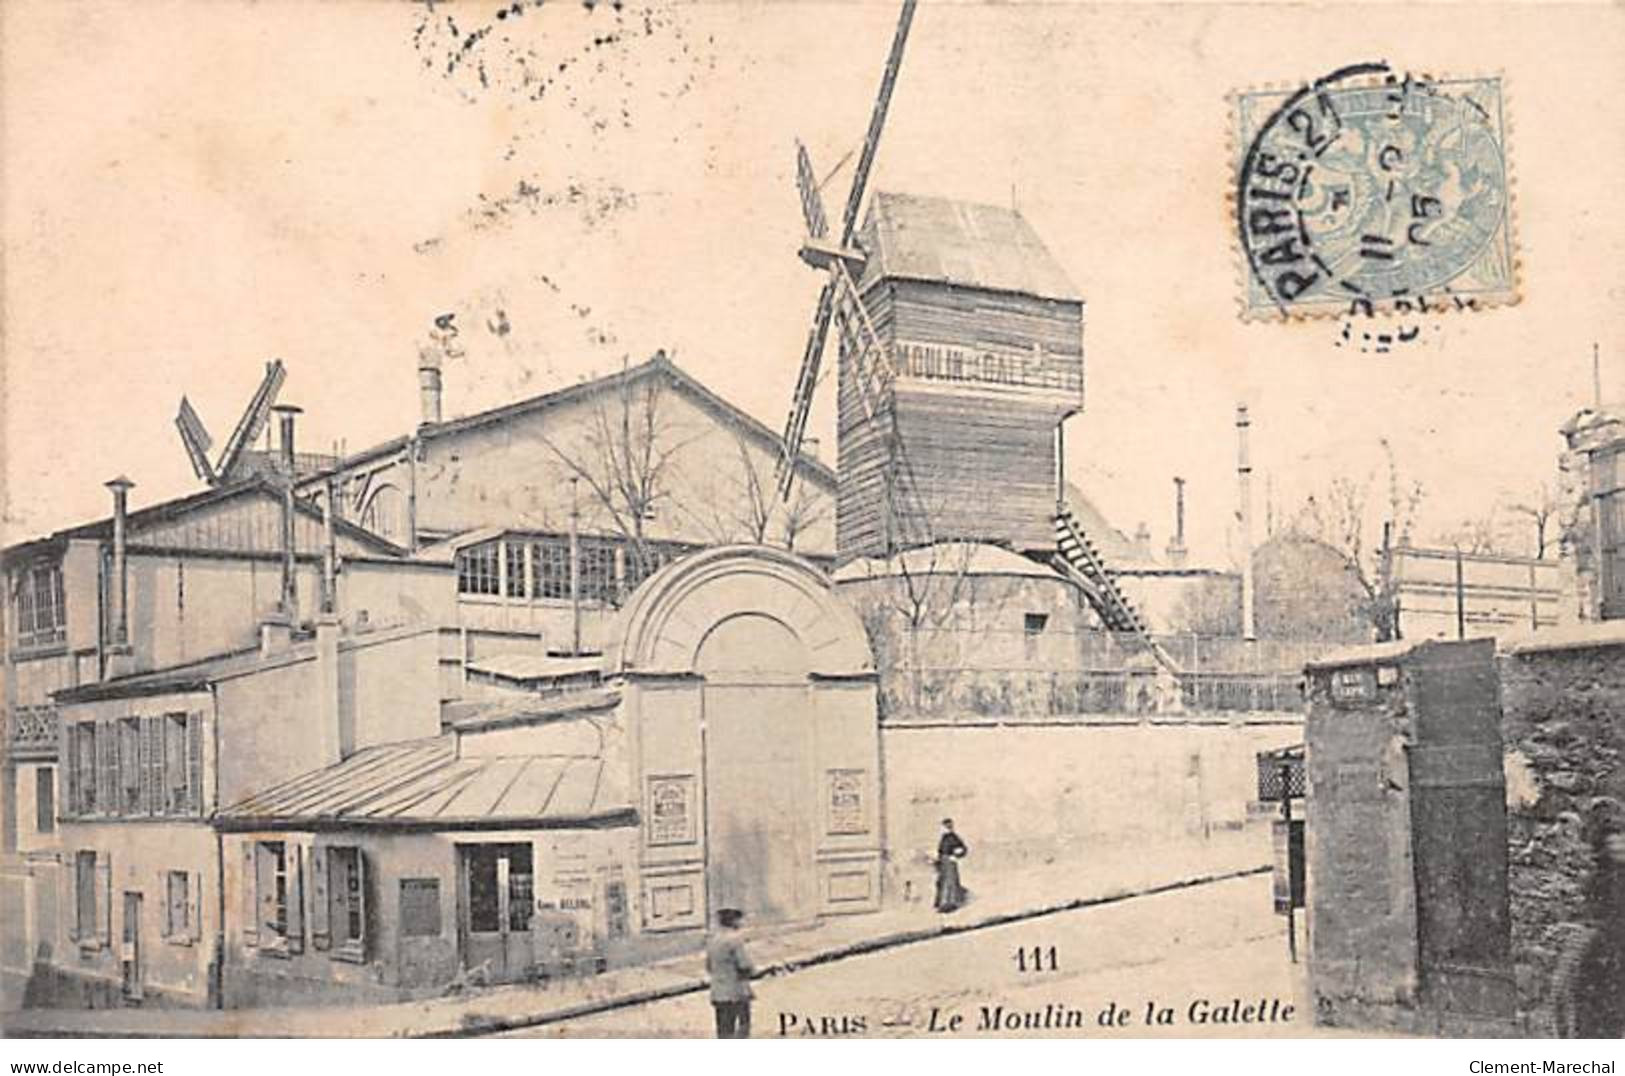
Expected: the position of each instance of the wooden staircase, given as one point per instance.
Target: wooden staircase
(1078, 559)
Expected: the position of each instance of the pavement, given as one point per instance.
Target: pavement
(1013, 896)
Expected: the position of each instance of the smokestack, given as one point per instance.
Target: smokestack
(289, 604)
(429, 385)
(1176, 545)
(1244, 476)
(330, 552)
(118, 596)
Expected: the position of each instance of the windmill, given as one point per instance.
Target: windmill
(252, 423)
(868, 366)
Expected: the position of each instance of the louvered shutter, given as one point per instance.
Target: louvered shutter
(295, 866)
(104, 899)
(250, 879)
(194, 906)
(166, 893)
(365, 896)
(106, 767)
(321, 931)
(69, 911)
(156, 798)
(69, 768)
(194, 762)
(143, 766)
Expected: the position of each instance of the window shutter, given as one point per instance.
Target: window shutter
(194, 905)
(194, 762)
(143, 764)
(321, 931)
(155, 766)
(69, 758)
(250, 880)
(167, 895)
(106, 767)
(69, 912)
(296, 897)
(104, 899)
(365, 896)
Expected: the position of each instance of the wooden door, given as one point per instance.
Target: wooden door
(1459, 833)
(130, 948)
(759, 808)
(495, 885)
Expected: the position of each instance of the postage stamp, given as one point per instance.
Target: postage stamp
(1371, 191)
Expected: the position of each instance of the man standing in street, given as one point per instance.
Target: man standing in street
(730, 970)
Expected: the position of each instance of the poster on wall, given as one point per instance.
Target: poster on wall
(671, 810)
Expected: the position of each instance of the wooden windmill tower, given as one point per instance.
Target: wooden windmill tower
(960, 345)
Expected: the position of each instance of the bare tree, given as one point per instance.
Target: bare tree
(1539, 506)
(744, 505)
(1339, 517)
(625, 461)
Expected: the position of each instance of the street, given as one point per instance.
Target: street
(1206, 961)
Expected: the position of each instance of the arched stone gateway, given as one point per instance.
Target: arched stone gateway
(749, 691)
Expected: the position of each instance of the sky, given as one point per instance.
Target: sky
(192, 189)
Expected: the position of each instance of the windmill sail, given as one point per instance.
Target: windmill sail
(253, 420)
(196, 439)
(796, 423)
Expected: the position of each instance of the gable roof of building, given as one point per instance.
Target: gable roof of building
(178, 508)
(658, 364)
(964, 243)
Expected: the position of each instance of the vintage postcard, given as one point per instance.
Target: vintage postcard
(812, 520)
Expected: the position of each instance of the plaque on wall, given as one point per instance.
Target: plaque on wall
(846, 802)
(671, 810)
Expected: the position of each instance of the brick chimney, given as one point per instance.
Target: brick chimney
(119, 660)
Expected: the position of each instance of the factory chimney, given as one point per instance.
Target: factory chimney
(289, 603)
(1176, 550)
(429, 385)
(1244, 476)
(118, 588)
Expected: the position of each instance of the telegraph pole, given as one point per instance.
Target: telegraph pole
(575, 572)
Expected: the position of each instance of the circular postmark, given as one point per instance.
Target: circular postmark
(1366, 189)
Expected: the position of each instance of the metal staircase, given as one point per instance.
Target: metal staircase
(1077, 558)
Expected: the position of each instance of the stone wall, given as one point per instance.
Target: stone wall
(1564, 706)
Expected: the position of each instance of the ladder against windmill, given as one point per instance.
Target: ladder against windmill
(982, 338)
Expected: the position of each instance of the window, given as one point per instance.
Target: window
(84, 768)
(597, 571)
(420, 907)
(84, 874)
(41, 619)
(129, 766)
(347, 901)
(45, 800)
(175, 785)
(516, 570)
(550, 568)
(488, 866)
(1036, 623)
(477, 570)
(180, 907)
(279, 897)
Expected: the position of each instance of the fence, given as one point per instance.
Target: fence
(936, 694)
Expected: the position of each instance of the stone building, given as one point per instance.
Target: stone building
(1591, 515)
(630, 471)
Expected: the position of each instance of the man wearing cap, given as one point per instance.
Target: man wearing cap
(730, 971)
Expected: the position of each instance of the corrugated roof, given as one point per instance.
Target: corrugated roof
(425, 784)
(980, 246)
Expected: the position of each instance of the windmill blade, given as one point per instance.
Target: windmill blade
(877, 122)
(196, 439)
(253, 420)
(796, 424)
(812, 205)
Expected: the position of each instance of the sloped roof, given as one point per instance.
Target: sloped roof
(659, 363)
(964, 243)
(425, 784)
(1117, 548)
(178, 508)
(970, 558)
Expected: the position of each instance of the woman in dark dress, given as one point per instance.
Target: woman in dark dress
(950, 849)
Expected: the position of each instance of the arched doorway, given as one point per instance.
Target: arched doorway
(758, 747)
(750, 696)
